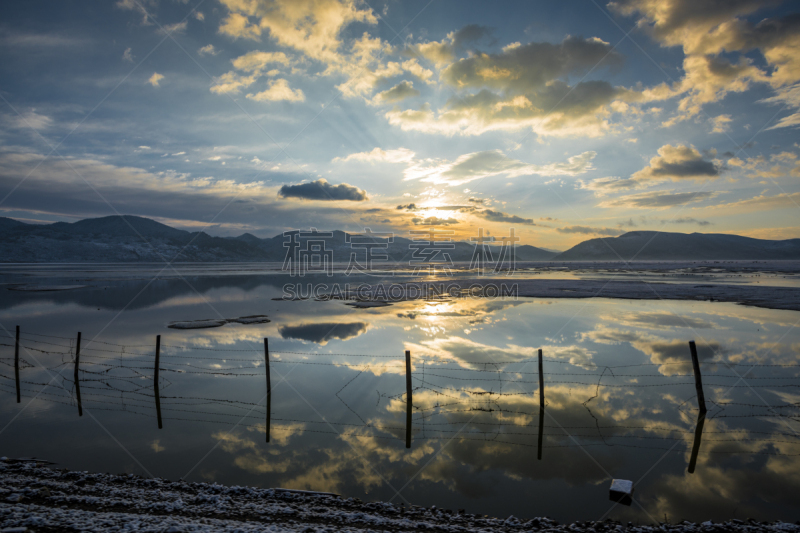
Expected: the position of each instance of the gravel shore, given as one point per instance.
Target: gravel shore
(34, 497)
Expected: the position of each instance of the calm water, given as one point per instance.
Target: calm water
(618, 384)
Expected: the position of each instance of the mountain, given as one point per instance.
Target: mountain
(137, 239)
(662, 246)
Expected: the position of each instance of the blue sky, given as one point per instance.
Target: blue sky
(566, 121)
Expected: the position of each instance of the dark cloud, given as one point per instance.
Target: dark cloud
(322, 190)
(401, 91)
(499, 216)
(476, 200)
(687, 169)
(323, 332)
(407, 207)
(523, 85)
(526, 67)
(678, 162)
(471, 33)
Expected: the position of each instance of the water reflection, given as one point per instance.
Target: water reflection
(618, 386)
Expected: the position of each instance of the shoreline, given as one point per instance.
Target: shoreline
(34, 497)
(384, 294)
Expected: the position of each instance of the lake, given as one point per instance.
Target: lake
(618, 385)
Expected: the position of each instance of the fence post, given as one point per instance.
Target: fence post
(408, 399)
(541, 432)
(269, 385)
(155, 381)
(541, 381)
(77, 381)
(698, 380)
(541, 404)
(16, 363)
(698, 434)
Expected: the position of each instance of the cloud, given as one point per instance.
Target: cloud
(314, 28)
(208, 50)
(133, 5)
(155, 79)
(40, 40)
(127, 55)
(585, 230)
(671, 355)
(56, 189)
(257, 61)
(707, 30)
(658, 199)
(687, 220)
(252, 66)
(407, 207)
(762, 202)
(521, 87)
(413, 67)
(169, 29)
(401, 91)
(497, 216)
(279, 90)
(721, 123)
(232, 82)
(673, 163)
(790, 97)
(310, 26)
(469, 353)
(442, 52)
(27, 120)
(676, 163)
(322, 333)
(434, 221)
(477, 165)
(610, 184)
(469, 34)
(399, 155)
(322, 190)
(526, 68)
(476, 200)
(660, 320)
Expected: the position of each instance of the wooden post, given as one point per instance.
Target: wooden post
(77, 380)
(16, 364)
(541, 431)
(698, 434)
(269, 385)
(541, 382)
(155, 381)
(408, 399)
(698, 380)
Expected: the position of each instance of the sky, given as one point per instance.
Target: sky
(562, 120)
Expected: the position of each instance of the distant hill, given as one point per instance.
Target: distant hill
(662, 246)
(138, 239)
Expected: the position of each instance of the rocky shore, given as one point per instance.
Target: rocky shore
(37, 498)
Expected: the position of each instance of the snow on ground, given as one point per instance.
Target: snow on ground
(44, 288)
(217, 322)
(36, 498)
(755, 295)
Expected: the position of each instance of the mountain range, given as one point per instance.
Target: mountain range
(137, 239)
